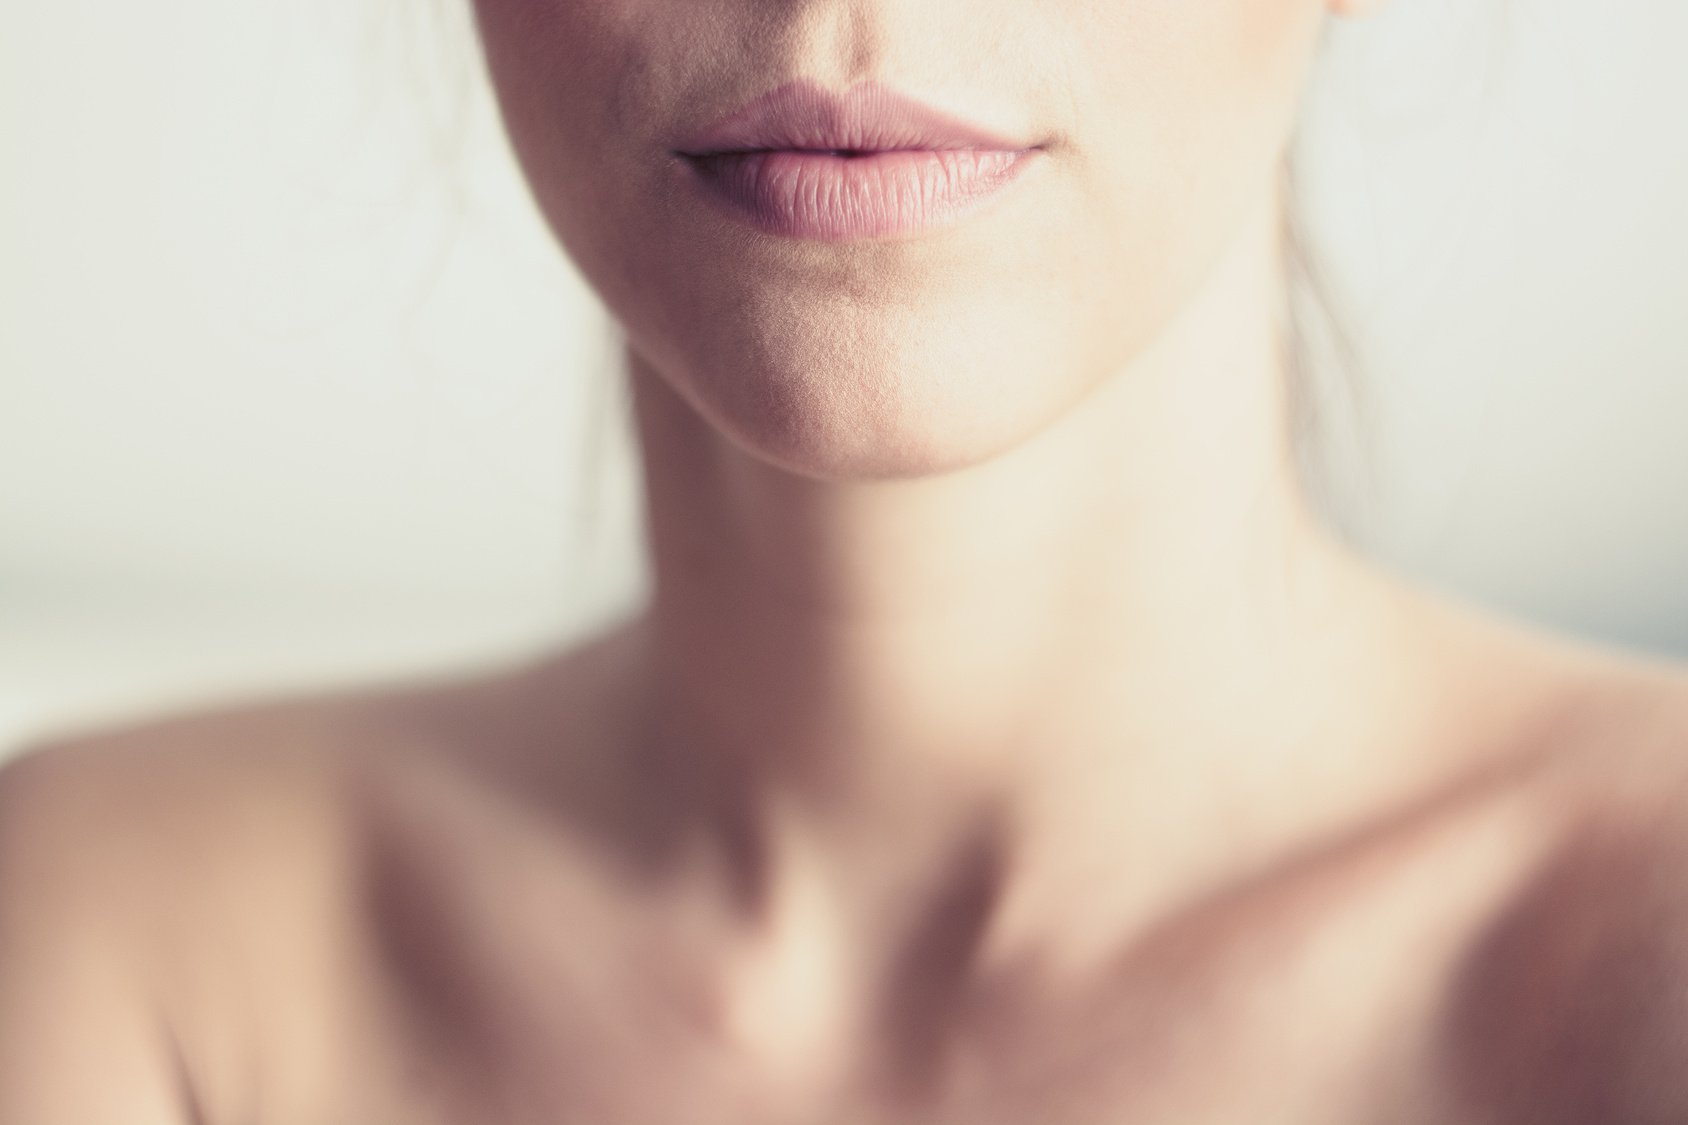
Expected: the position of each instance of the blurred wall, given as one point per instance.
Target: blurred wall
(294, 387)
(1499, 187)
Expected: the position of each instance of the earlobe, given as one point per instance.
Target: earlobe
(1354, 7)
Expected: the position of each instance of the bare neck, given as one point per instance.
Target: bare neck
(1125, 636)
(1134, 562)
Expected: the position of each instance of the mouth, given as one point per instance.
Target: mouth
(835, 197)
(869, 118)
(803, 162)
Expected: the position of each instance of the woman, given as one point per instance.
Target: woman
(1004, 741)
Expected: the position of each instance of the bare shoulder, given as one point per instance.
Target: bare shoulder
(167, 821)
(116, 786)
(121, 852)
(1572, 1004)
(160, 808)
(153, 827)
(287, 780)
(198, 885)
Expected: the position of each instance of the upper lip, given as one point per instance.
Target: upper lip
(869, 117)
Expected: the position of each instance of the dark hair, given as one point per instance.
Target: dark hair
(1327, 405)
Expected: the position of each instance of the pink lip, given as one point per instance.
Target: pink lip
(803, 162)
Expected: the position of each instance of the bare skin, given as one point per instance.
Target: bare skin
(410, 906)
(1004, 741)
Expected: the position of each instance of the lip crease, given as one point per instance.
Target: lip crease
(870, 117)
(803, 162)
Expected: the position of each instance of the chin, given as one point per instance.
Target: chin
(839, 405)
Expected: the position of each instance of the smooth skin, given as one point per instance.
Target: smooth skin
(1005, 741)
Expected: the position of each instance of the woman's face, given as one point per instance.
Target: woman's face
(1159, 122)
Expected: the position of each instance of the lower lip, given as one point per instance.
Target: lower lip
(835, 198)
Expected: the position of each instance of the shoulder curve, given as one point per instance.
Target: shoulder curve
(142, 831)
(1571, 1006)
(309, 755)
(227, 866)
(1628, 750)
(74, 994)
(125, 780)
(144, 869)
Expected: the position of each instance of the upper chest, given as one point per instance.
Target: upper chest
(1326, 993)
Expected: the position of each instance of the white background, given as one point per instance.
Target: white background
(296, 390)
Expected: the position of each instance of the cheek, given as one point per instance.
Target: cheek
(1181, 110)
(588, 90)
(1200, 88)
